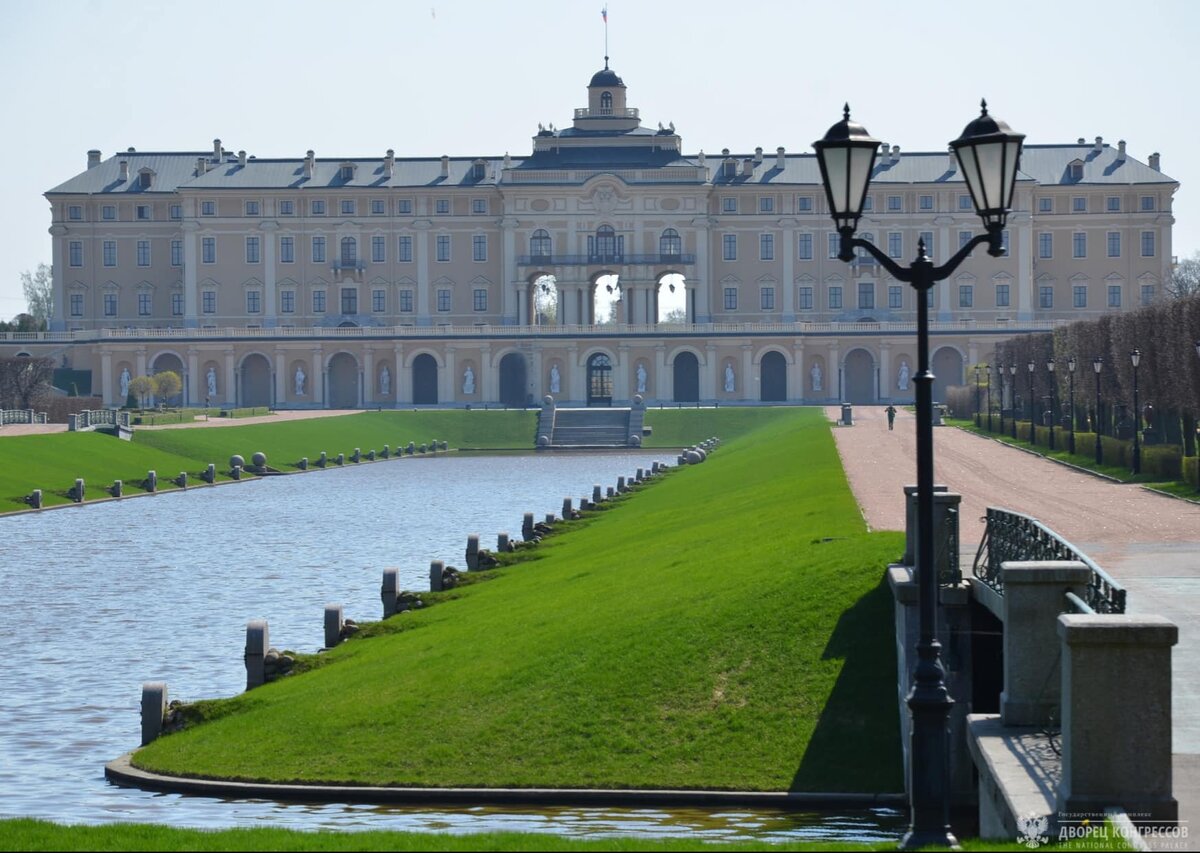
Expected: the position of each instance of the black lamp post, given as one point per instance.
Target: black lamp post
(1012, 392)
(1050, 370)
(1136, 358)
(1071, 364)
(988, 375)
(1198, 436)
(1032, 423)
(977, 415)
(988, 154)
(1098, 365)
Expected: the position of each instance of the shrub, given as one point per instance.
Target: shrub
(1165, 462)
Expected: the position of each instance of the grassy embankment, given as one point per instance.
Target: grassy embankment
(726, 628)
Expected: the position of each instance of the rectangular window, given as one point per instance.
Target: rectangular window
(287, 208)
(729, 205)
(110, 305)
(868, 204)
(1113, 204)
(479, 247)
(76, 253)
(443, 206)
(176, 211)
(253, 252)
(1045, 205)
(835, 297)
(347, 207)
(1147, 244)
(404, 205)
(1147, 294)
(925, 202)
(74, 212)
(208, 302)
(443, 299)
(964, 237)
(405, 249)
(965, 203)
(1079, 204)
(318, 301)
(208, 250)
(208, 208)
(729, 247)
(143, 212)
(1114, 244)
(1114, 296)
(766, 204)
(76, 304)
(1079, 295)
(316, 207)
(1045, 245)
(1079, 244)
(895, 296)
(866, 295)
(966, 296)
(443, 247)
(766, 298)
(406, 301)
(805, 248)
(479, 299)
(378, 300)
(1004, 241)
(176, 253)
(1002, 296)
(144, 303)
(252, 208)
(894, 203)
(766, 247)
(253, 302)
(835, 244)
(287, 302)
(731, 299)
(108, 212)
(143, 253)
(349, 300)
(806, 298)
(176, 304)
(1147, 202)
(479, 205)
(318, 250)
(895, 244)
(804, 203)
(1046, 296)
(110, 253)
(927, 237)
(378, 255)
(287, 250)
(377, 207)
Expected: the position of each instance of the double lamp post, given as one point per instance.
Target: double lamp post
(988, 154)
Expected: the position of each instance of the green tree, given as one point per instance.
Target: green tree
(167, 384)
(39, 294)
(141, 387)
(1184, 279)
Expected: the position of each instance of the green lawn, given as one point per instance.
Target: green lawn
(726, 628)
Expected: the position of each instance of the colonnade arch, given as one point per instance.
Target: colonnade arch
(425, 380)
(858, 377)
(947, 365)
(772, 377)
(342, 384)
(254, 380)
(169, 361)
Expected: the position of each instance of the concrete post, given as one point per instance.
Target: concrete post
(621, 484)
(151, 481)
(597, 495)
(550, 518)
(473, 552)
(527, 526)
(35, 499)
(389, 590)
(611, 492)
(333, 625)
(641, 475)
(436, 567)
(303, 464)
(910, 522)
(502, 543)
(210, 473)
(118, 489)
(257, 643)
(154, 708)
(79, 491)
(1033, 599)
(568, 508)
(323, 459)
(1116, 725)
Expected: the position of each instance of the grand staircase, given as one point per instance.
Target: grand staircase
(589, 428)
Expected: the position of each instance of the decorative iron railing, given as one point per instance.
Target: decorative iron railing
(1012, 537)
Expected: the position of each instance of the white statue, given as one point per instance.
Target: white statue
(815, 375)
(641, 378)
(902, 378)
(468, 380)
(555, 379)
(212, 382)
(385, 381)
(300, 377)
(124, 384)
(729, 376)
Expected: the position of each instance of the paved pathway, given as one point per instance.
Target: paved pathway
(1148, 542)
(277, 417)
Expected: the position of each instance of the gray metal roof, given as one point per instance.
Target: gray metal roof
(172, 170)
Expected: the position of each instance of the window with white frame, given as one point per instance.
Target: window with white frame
(75, 252)
(1002, 295)
(404, 205)
(377, 207)
(730, 299)
(110, 253)
(143, 253)
(729, 204)
(1147, 203)
(895, 296)
(442, 206)
(287, 301)
(404, 249)
(1076, 171)
(378, 250)
(208, 302)
(349, 253)
(729, 247)
(479, 206)
(349, 301)
(346, 172)
(406, 301)
(1045, 245)
(1046, 296)
(1147, 244)
(835, 244)
(318, 302)
(804, 247)
(1114, 296)
(176, 253)
(1113, 204)
(766, 247)
(895, 244)
(868, 204)
(443, 299)
(479, 247)
(74, 212)
(142, 211)
(1079, 244)
(177, 304)
(145, 303)
(316, 207)
(318, 250)
(175, 211)
(1004, 242)
(208, 208)
(835, 297)
(964, 237)
(965, 203)
(108, 212)
(253, 302)
(1079, 204)
(443, 247)
(347, 207)
(927, 237)
(1079, 295)
(804, 298)
(804, 203)
(1147, 294)
(287, 207)
(966, 296)
(252, 208)
(208, 250)
(378, 300)
(895, 203)
(253, 250)
(287, 250)
(925, 202)
(1045, 205)
(110, 304)
(766, 298)
(766, 204)
(866, 296)
(479, 299)
(1113, 239)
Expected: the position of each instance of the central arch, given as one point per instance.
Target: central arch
(255, 381)
(164, 362)
(858, 374)
(599, 380)
(425, 380)
(343, 381)
(513, 379)
(686, 369)
(772, 372)
(947, 366)
(671, 300)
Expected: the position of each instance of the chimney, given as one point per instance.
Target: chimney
(124, 170)
(780, 162)
(1081, 141)
(130, 150)
(389, 162)
(201, 166)
(1120, 150)
(952, 165)
(241, 158)
(1099, 144)
(445, 166)
(1154, 162)
(218, 151)
(507, 160)
(895, 153)
(309, 159)
(93, 157)
(757, 155)
(748, 166)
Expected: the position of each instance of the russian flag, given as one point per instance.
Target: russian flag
(604, 14)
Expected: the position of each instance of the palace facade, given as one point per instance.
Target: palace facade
(603, 264)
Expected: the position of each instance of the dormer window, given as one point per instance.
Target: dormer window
(729, 168)
(477, 171)
(346, 172)
(1075, 170)
(145, 179)
(606, 107)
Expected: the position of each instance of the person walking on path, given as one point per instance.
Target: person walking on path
(891, 413)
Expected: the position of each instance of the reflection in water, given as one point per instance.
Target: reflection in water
(101, 598)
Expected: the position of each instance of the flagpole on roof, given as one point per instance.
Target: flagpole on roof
(604, 15)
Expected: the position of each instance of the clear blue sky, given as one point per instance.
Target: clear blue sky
(466, 77)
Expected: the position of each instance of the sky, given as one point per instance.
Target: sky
(468, 77)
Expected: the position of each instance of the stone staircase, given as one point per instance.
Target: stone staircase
(573, 428)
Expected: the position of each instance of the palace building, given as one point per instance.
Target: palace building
(605, 263)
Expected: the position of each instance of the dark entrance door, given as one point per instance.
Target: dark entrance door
(773, 377)
(256, 381)
(687, 378)
(512, 379)
(599, 380)
(343, 382)
(859, 374)
(425, 380)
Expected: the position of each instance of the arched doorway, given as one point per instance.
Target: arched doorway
(772, 372)
(671, 300)
(343, 381)
(858, 376)
(947, 365)
(599, 380)
(606, 299)
(544, 302)
(686, 368)
(255, 384)
(513, 379)
(169, 362)
(425, 380)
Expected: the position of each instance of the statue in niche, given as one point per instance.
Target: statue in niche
(815, 376)
(468, 380)
(385, 381)
(641, 378)
(902, 377)
(555, 379)
(212, 381)
(729, 378)
(124, 384)
(299, 378)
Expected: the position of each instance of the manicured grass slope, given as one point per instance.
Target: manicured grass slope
(725, 628)
(683, 427)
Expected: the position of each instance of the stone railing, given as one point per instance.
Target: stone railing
(89, 419)
(21, 416)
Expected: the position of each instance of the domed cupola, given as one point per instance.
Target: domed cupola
(606, 94)
(605, 77)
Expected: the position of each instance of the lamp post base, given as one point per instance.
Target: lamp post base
(914, 840)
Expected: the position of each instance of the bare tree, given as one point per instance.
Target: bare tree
(24, 381)
(39, 294)
(1184, 279)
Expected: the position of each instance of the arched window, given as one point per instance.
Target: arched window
(539, 244)
(349, 251)
(606, 103)
(606, 241)
(669, 243)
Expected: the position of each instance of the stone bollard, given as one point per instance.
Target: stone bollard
(257, 644)
(1033, 599)
(473, 552)
(611, 493)
(117, 488)
(340, 460)
(78, 492)
(654, 467)
(682, 460)
(621, 485)
(411, 449)
(181, 480)
(1116, 720)
(527, 526)
(436, 570)
(568, 509)
(236, 473)
(334, 620)
(502, 544)
(34, 499)
(910, 523)
(597, 495)
(259, 461)
(356, 456)
(154, 708)
(445, 446)
(210, 474)
(389, 591)
(550, 519)
(303, 465)
(370, 455)
(150, 484)
(421, 449)
(322, 460)
(641, 475)
(385, 453)
(584, 504)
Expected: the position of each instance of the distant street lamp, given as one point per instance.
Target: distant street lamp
(978, 422)
(1012, 392)
(988, 375)
(1071, 393)
(1098, 365)
(1032, 423)
(1050, 370)
(1198, 436)
(1136, 358)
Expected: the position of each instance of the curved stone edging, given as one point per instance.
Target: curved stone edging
(122, 772)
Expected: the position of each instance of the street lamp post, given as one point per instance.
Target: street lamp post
(1136, 358)
(1098, 365)
(1050, 370)
(988, 155)
(1071, 364)
(1198, 436)
(1012, 392)
(1032, 423)
(988, 376)
(978, 421)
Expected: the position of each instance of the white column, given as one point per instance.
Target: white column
(795, 382)
(59, 259)
(660, 380)
(748, 385)
(368, 372)
(788, 250)
(403, 378)
(190, 295)
(268, 239)
(703, 282)
(193, 383)
(230, 379)
(141, 362)
(887, 385)
(539, 376)
(106, 378)
(487, 376)
(621, 374)
(1024, 225)
(316, 390)
(508, 271)
(833, 374)
(280, 378)
(448, 390)
(421, 248)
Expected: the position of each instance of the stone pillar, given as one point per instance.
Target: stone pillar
(281, 378)
(539, 376)
(621, 373)
(1023, 223)
(402, 379)
(230, 379)
(448, 379)
(796, 372)
(268, 229)
(527, 526)
(154, 708)
(473, 552)
(703, 281)
(190, 291)
(389, 590)
(708, 375)
(502, 544)
(59, 260)
(746, 380)
(369, 379)
(787, 250)
(106, 379)
(436, 568)
(140, 363)
(316, 383)
(487, 379)
(333, 625)
(910, 522)
(257, 643)
(887, 384)
(597, 495)
(833, 375)
(1116, 721)
(1033, 599)
(421, 250)
(194, 383)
